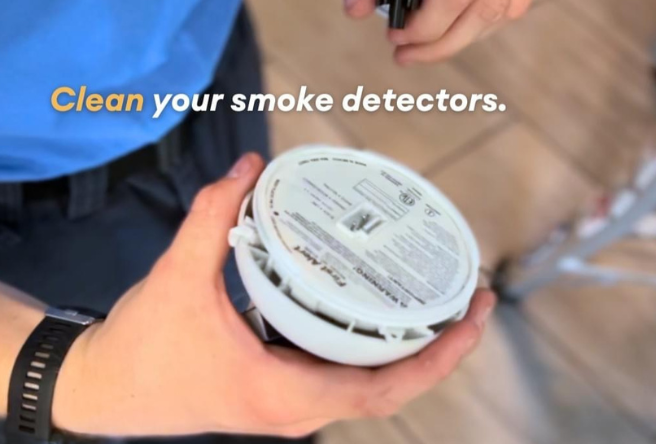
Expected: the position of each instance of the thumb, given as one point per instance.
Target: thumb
(359, 8)
(202, 241)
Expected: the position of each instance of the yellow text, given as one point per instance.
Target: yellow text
(66, 99)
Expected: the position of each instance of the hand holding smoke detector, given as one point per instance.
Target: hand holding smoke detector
(353, 257)
(196, 367)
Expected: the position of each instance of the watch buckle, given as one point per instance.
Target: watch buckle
(70, 315)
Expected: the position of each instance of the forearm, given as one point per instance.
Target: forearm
(19, 316)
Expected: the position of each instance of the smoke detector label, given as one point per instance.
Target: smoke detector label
(369, 232)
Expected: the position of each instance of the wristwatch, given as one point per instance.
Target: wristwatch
(32, 383)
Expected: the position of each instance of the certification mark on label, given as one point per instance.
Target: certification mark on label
(407, 199)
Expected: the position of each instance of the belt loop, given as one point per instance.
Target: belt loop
(11, 201)
(87, 191)
(169, 151)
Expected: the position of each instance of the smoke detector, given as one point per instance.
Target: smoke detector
(352, 256)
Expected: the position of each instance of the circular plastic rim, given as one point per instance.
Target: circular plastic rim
(397, 318)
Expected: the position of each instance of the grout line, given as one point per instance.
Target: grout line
(552, 144)
(561, 152)
(469, 147)
(593, 27)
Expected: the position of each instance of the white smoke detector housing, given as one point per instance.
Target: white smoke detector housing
(352, 256)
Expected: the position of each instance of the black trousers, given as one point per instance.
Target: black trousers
(89, 245)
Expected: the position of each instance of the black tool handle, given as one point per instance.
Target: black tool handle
(398, 11)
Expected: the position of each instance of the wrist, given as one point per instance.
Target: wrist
(74, 390)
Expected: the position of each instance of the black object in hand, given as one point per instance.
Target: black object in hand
(398, 11)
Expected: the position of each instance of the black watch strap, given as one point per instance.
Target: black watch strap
(32, 384)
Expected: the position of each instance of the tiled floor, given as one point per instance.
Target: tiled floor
(569, 365)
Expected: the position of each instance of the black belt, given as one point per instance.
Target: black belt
(138, 161)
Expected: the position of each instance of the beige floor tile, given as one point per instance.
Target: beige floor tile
(454, 413)
(633, 21)
(513, 190)
(575, 83)
(609, 331)
(538, 392)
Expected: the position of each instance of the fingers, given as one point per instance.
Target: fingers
(341, 392)
(441, 28)
(430, 23)
(421, 372)
(359, 8)
(472, 22)
(202, 241)
(335, 391)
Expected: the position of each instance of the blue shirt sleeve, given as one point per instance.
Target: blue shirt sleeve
(111, 46)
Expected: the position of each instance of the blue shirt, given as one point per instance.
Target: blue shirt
(111, 46)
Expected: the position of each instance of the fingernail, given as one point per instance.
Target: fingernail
(348, 4)
(241, 168)
(483, 316)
